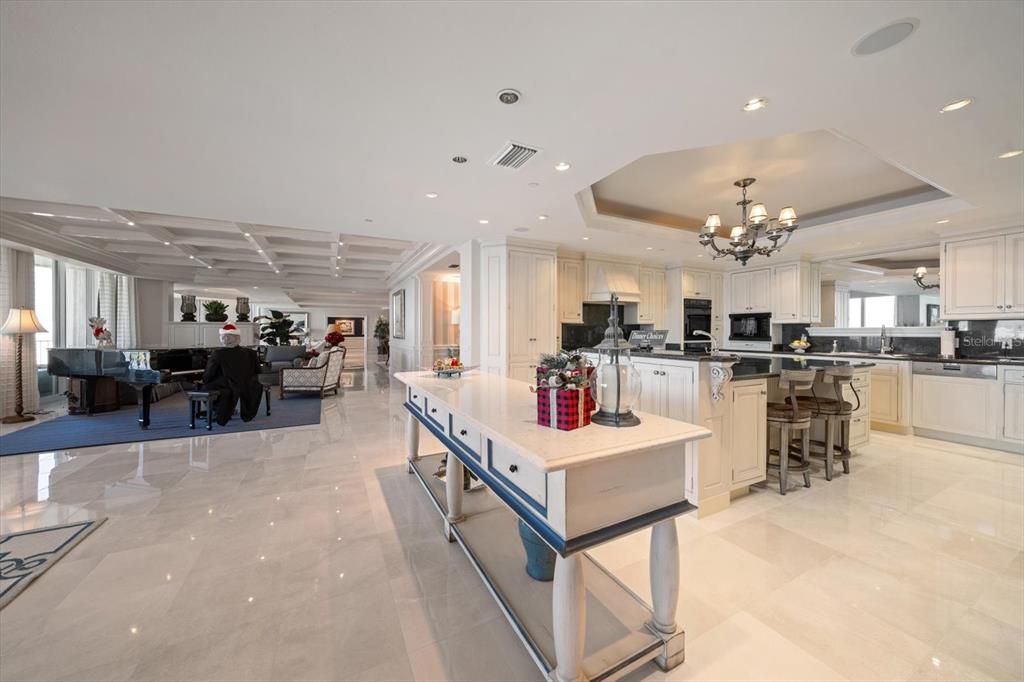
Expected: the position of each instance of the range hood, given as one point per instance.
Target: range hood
(612, 278)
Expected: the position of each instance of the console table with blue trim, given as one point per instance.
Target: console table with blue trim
(576, 490)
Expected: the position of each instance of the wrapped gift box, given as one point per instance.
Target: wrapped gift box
(564, 408)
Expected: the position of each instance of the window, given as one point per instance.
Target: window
(872, 311)
(44, 306)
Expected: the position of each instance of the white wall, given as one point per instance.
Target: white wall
(469, 306)
(153, 299)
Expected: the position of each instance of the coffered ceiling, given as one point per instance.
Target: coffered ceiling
(310, 267)
(324, 115)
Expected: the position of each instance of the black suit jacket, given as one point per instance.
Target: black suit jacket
(234, 367)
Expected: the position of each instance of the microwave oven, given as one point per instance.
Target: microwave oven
(750, 327)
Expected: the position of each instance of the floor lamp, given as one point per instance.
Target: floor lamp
(20, 321)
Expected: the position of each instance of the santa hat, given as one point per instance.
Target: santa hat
(229, 329)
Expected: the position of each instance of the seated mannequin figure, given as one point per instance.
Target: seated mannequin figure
(232, 370)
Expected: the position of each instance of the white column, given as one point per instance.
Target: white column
(453, 492)
(569, 617)
(412, 439)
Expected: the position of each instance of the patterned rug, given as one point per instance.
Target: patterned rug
(27, 555)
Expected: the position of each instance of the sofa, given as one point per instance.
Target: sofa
(281, 357)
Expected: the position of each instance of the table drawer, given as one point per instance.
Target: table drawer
(466, 435)
(415, 398)
(521, 477)
(436, 412)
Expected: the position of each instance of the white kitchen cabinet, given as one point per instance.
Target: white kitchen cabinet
(697, 284)
(834, 304)
(570, 291)
(886, 394)
(665, 389)
(523, 372)
(796, 292)
(651, 309)
(982, 278)
(748, 437)
(750, 291)
(957, 405)
(518, 307)
(1013, 406)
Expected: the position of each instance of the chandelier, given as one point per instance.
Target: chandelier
(919, 278)
(755, 224)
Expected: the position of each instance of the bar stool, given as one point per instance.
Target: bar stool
(790, 418)
(833, 412)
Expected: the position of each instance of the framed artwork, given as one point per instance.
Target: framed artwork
(398, 314)
(347, 326)
(300, 318)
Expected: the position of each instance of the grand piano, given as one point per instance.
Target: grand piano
(141, 369)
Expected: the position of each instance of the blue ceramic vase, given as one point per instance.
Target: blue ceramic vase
(540, 559)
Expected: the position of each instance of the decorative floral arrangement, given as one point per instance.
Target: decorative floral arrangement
(564, 400)
(563, 369)
(451, 362)
(100, 332)
(333, 338)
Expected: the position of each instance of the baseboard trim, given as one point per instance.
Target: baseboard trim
(892, 428)
(1014, 448)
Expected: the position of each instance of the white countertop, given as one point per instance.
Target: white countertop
(506, 411)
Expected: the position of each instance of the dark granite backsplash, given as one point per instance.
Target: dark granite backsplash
(595, 322)
(978, 338)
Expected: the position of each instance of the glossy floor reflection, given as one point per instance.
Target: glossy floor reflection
(309, 554)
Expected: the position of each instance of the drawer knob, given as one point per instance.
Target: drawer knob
(462, 432)
(513, 468)
(414, 396)
(433, 410)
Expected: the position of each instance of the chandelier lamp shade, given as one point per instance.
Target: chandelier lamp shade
(919, 274)
(755, 226)
(20, 321)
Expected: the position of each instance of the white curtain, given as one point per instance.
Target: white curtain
(117, 307)
(80, 292)
(17, 290)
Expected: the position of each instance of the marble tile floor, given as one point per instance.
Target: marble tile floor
(309, 554)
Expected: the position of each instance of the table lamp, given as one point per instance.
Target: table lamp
(20, 321)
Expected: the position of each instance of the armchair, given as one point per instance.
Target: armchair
(322, 378)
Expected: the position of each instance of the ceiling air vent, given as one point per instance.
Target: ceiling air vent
(514, 155)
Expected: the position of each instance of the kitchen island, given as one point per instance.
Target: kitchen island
(728, 395)
(574, 490)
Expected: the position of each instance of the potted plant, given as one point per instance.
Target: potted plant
(381, 331)
(216, 311)
(278, 329)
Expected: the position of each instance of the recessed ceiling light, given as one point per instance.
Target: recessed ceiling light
(542, 217)
(431, 195)
(1011, 154)
(131, 224)
(167, 243)
(255, 287)
(459, 159)
(341, 243)
(259, 250)
(269, 263)
(335, 274)
(562, 166)
(650, 248)
(953, 106)
(508, 96)
(209, 267)
(884, 38)
(277, 272)
(522, 229)
(942, 222)
(191, 257)
(755, 104)
(43, 215)
(586, 239)
(337, 267)
(484, 221)
(245, 234)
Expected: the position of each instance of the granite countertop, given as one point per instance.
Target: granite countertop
(991, 360)
(755, 365)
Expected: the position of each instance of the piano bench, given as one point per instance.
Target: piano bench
(198, 401)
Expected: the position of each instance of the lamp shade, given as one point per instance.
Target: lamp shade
(787, 216)
(22, 321)
(921, 271)
(713, 221)
(758, 214)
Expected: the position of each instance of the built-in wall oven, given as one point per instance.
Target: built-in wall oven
(750, 327)
(696, 317)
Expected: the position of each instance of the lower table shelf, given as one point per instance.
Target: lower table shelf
(617, 636)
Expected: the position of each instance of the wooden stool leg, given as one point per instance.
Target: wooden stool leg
(830, 443)
(845, 442)
(783, 458)
(805, 458)
(266, 392)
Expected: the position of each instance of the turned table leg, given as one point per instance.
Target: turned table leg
(665, 592)
(569, 618)
(453, 475)
(412, 439)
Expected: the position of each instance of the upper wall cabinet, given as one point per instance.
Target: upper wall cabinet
(570, 291)
(796, 292)
(651, 309)
(750, 291)
(697, 284)
(983, 278)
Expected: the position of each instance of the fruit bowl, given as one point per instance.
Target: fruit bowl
(449, 367)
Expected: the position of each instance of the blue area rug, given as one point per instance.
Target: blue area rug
(168, 419)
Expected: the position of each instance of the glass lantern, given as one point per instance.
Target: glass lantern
(616, 381)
